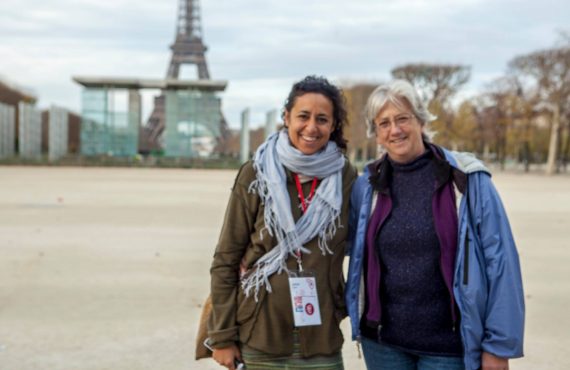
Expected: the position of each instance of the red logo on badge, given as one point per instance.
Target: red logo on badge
(309, 309)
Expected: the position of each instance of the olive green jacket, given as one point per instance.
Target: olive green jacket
(267, 325)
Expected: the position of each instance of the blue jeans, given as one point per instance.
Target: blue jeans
(381, 357)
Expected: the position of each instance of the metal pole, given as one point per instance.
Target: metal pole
(270, 122)
(244, 142)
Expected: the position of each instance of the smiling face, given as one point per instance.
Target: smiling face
(310, 122)
(399, 132)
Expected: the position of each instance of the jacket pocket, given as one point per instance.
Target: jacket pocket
(466, 259)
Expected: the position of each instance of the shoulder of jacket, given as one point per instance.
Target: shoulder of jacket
(349, 171)
(245, 175)
(365, 175)
(466, 162)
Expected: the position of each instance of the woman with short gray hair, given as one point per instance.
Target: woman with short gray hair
(397, 93)
(434, 279)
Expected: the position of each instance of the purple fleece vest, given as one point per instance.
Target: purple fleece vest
(446, 225)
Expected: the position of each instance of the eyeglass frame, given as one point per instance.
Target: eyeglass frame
(382, 127)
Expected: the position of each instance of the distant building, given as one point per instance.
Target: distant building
(12, 95)
(111, 126)
(73, 132)
(230, 147)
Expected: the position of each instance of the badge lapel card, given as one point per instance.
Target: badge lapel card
(304, 299)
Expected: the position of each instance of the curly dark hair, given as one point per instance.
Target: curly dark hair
(320, 85)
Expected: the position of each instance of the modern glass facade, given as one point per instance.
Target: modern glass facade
(110, 125)
(192, 123)
(58, 132)
(187, 123)
(7, 131)
(29, 131)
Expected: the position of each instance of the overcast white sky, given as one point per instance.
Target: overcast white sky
(262, 46)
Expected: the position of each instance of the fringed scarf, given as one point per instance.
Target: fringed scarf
(271, 185)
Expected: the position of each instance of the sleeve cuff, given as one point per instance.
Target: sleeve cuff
(223, 338)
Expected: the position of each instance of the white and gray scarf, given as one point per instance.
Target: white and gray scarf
(271, 185)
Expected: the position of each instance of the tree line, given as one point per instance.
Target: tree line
(523, 115)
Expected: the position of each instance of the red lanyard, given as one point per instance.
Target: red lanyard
(304, 206)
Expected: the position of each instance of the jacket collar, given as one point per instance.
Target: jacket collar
(381, 172)
(380, 175)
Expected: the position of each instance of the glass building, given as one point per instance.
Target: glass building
(108, 125)
(192, 123)
(111, 116)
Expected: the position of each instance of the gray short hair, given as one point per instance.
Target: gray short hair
(398, 92)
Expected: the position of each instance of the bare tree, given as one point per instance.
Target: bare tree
(564, 42)
(509, 117)
(435, 81)
(466, 127)
(548, 71)
(360, 146)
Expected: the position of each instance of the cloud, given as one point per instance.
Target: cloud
(261, 47)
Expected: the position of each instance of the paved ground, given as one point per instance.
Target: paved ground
(107, 268)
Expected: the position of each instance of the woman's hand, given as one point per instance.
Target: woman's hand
(226, 356)
(492, 362)
(242, 268)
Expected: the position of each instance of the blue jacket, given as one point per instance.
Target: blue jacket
(487, 280)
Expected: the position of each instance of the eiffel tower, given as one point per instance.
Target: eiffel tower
(188, 48)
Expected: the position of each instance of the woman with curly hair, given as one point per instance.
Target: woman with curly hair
(276, 280)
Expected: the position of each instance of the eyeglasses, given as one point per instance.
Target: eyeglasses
(401, 121)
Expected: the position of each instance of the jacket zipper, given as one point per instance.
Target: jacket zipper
(466, 258)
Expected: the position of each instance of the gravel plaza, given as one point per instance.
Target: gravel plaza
(107, 268)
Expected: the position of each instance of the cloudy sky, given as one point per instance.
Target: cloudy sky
(262, 46)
